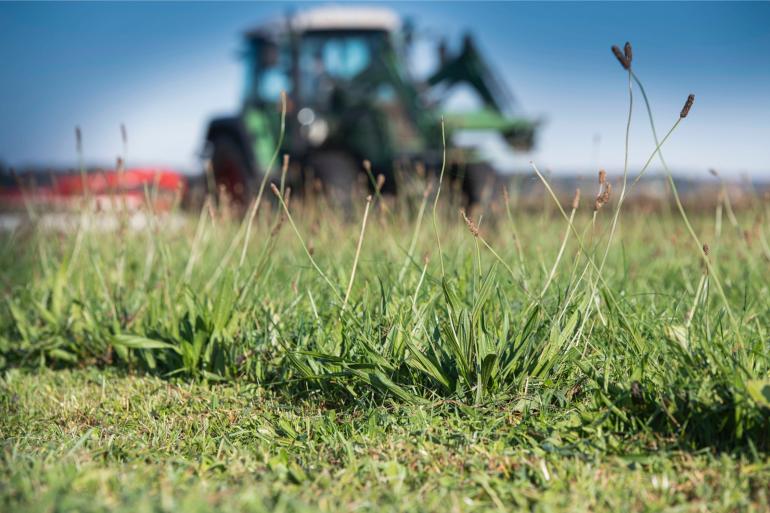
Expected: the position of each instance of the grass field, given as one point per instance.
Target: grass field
(398, 356)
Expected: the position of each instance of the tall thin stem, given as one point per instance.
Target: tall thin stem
(358, 251)
(438, 193)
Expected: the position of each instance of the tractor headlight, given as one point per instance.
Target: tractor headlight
(317, 132)
(306, 116)
(314, 128)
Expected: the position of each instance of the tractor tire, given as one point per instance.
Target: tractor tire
(338, 173)
(478, 183)
(231, 169)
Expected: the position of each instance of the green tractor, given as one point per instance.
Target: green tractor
(350, 99)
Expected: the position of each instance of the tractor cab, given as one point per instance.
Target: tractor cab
(342, 71)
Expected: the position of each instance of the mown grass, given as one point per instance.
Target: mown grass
(98, 440)
(588, 356)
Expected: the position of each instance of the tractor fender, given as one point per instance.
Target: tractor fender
(233, 128)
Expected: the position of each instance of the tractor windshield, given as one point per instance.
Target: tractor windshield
(330, 59)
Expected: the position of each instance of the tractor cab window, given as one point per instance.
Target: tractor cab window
(269, 71)
(330, 58)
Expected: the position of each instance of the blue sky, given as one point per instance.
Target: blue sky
(164, 68)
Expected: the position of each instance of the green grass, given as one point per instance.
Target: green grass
(96, 440)
(557, 360)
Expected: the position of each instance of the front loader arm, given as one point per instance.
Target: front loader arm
(470, 68)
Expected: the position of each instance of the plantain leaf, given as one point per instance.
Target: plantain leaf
(759, 390)
(138, 342)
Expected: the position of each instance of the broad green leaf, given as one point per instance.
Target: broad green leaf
(137, 342)
(759, 390)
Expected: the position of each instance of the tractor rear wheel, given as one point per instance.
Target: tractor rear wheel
(231, 169)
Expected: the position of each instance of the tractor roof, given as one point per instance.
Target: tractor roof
(330, 18)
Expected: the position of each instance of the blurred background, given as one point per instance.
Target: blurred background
(163, 70)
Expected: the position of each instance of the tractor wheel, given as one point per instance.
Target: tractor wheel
(478, 182)
(338, 173)
(231, 169)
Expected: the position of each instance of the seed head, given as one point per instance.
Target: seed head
(628, 53)
(474, 229)
(285, 166)
(620, 57)
(687, 106)
(706, 249)
(275, 190)
(607, 191)
(367, 166)
(576, 199)
(602, 177)
(604, 196)
(380, 181)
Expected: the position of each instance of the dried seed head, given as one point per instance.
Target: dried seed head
(602, 177)
(275, 190)
(604, 196)
(285, 166)
(607, 191)
(576, 199)
(628, 53)
(706, 249)
(380, 181)
(687, 106)
(620, 57)
(474, 229)
(367, 166)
